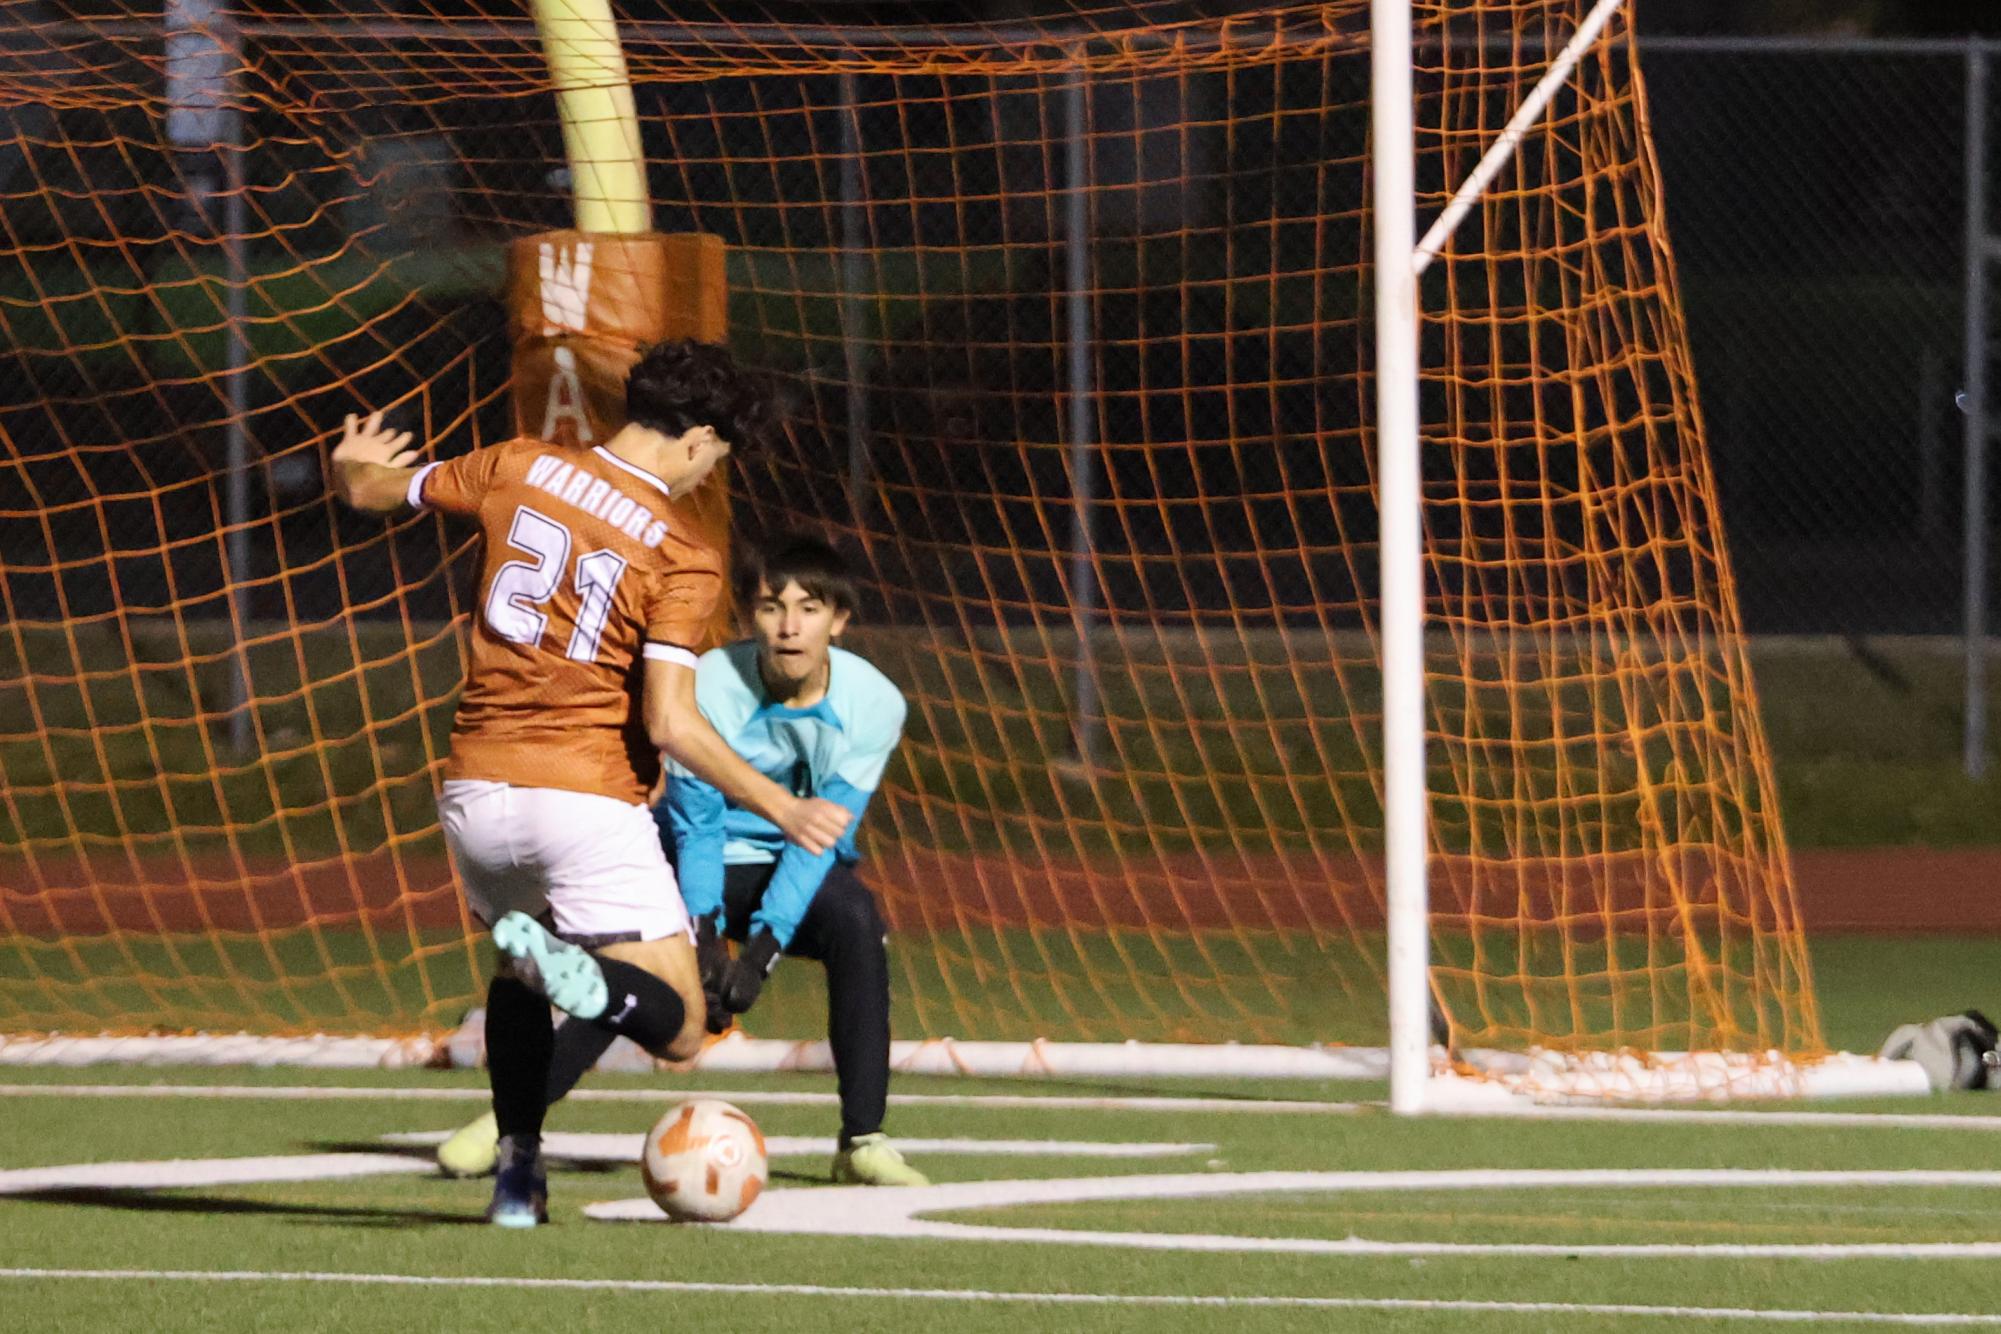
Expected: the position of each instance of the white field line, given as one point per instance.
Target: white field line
(748, 1097)
(857, 1211)
(861, 1212)
(188, 1172)
(1778, 1315)
(596, 1147)
(184, 1173)
(1053, 1102)
(1722, 1116)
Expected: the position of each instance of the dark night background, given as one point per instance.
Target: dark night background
(1875, 17)
(1820, 261)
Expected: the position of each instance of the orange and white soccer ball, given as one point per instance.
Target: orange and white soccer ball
(704, 1162)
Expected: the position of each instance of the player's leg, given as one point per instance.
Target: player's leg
(844, 931)
(644, 990)
(664, 962)
(621, 955)
(477, 819)
(576, 1046)
(519, 1040)
(579, 1047)
(615, 948)
(600, 889)
(580, 1044)
(743, 889)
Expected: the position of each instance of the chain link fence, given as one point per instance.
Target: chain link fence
(1816, 197)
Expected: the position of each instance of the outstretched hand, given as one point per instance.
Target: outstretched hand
(366, 440)
(816, 824)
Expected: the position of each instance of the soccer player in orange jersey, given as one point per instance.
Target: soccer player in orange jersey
(591, 601)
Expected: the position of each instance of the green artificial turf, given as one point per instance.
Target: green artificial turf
(422, 1226)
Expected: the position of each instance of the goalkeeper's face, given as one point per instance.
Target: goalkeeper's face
(794, 631)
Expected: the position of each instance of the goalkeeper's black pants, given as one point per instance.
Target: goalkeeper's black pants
(842, 931)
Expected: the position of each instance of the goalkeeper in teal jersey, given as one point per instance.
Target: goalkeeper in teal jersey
(821, 722)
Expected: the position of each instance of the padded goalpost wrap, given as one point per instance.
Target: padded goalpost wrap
(580, 307)
(1072, 327)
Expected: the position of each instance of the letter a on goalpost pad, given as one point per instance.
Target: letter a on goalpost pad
(580, 305)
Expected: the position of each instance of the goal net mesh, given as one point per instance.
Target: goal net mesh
(1071, 321)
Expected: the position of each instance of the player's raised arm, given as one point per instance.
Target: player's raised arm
(372, 465)
(675, 724)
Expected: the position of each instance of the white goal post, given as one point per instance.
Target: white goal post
(1420, 1079)
(1400, 261)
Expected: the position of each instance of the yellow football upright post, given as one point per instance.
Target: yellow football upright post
(582, 303)
(599, 117)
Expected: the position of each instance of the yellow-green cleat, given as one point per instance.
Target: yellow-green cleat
(871, 1160)
(472, 1150)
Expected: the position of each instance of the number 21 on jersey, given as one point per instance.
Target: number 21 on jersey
(521, 588)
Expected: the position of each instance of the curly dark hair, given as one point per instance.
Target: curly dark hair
(680, 384)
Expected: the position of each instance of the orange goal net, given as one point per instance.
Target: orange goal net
(1071, 323)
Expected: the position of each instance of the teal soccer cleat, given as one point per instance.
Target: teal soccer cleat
(565, 973)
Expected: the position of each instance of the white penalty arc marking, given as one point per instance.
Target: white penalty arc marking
(592, 1147)
(1779, 1315)
(867, 1212)
(855, 1211)
(187, 1172)
(747, 1097)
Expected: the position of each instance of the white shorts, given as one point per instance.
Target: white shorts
(592, 863)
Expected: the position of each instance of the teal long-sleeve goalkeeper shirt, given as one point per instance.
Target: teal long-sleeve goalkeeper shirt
(835, 749)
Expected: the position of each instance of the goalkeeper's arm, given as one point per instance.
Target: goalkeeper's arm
(690, 816)
(787, 896)
(798, 874)
(691, 821)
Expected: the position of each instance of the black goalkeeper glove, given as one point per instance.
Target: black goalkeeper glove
(712, 960)
(746, 973)
(712, 955)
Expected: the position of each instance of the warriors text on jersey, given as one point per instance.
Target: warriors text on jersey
(586, 573)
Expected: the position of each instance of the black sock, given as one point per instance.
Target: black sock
(642, 1007)
(519, 1037)
(578, 1046)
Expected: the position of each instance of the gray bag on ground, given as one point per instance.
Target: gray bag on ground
(1957, 1052)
